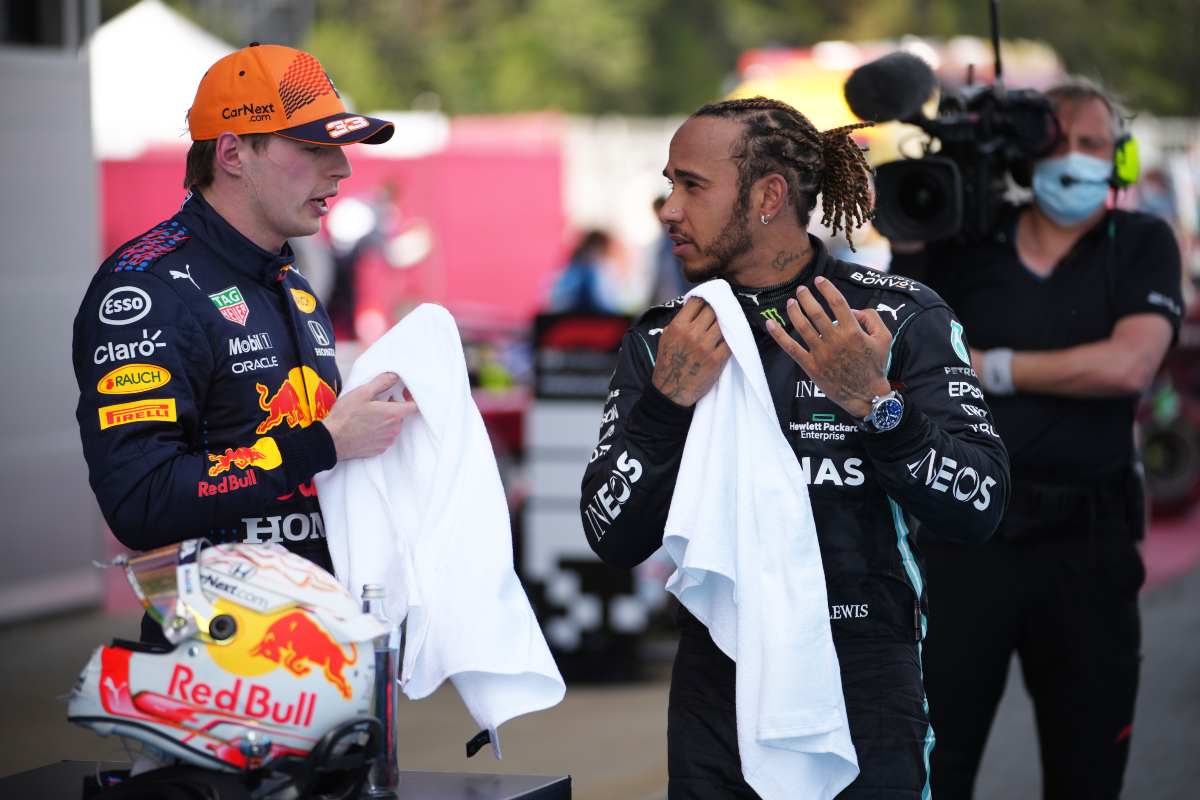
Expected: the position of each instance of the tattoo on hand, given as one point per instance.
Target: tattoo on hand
(853, 374)
(676, 364)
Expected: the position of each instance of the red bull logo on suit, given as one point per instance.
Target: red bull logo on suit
(300, 401)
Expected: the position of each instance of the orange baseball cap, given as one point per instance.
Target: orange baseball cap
(269, 88)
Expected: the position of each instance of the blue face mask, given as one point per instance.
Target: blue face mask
(1084, 191)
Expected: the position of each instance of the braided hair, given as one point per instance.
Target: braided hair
(778, 138)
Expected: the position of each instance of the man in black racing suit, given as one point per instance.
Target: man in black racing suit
(943, 463)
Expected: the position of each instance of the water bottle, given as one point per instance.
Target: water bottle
(384, 777)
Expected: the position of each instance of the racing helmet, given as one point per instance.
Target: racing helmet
(268, 654)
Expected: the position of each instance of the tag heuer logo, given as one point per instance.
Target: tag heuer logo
(231, 305)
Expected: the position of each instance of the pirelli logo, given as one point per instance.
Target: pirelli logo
(138, 411)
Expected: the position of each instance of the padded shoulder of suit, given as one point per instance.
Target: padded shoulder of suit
(856, 276)
(142, 253)
(659, 315)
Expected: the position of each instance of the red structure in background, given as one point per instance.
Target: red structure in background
(492, 198)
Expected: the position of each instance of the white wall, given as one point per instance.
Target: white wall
(49, 523)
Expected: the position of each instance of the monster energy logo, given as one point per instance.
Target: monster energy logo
(773, 313)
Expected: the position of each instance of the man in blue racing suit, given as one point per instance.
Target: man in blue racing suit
(208, 385)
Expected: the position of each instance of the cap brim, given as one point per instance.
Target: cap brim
(326, 131)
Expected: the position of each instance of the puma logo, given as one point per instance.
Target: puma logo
(890, 310)
(176, 274)
(753, 297)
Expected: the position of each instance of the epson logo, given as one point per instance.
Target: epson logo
(252, 343)
(964, 389)
(124, 305)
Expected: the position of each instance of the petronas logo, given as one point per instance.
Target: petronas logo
(956, 341)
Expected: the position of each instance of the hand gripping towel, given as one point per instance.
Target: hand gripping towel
(740, 531)
(428, 520)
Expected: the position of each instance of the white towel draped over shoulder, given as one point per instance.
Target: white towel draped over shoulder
(740, 531)
(428, 520)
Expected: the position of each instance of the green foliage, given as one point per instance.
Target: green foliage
(1144, 50)
(356, 70)
(669, 56)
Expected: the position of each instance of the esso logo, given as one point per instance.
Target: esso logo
(340, 127)
(124, 305)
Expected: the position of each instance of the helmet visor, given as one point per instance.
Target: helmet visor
(155, 577)
(154, 580)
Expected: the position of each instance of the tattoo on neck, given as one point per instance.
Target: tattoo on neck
(783, 258)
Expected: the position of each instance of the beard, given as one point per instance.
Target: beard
(731, 242)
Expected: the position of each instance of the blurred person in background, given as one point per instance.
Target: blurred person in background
(207, 379)
(866, 399)
(1073, 306)
(584, 286)
(1155, 196)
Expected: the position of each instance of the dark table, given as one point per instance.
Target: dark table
(65, 780)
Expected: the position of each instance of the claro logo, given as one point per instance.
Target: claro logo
(124, 305)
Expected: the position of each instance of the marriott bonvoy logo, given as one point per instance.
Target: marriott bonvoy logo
(254, 113)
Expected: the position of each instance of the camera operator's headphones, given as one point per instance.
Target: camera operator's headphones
(1126, 163)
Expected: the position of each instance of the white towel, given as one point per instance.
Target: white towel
(740, 531)
(428, 520)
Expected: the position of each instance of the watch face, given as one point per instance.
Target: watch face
(887, 414)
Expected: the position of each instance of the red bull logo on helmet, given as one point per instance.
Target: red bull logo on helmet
(250, 699)
(299, 644)
(300, 401)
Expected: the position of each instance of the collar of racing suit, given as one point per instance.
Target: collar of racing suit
(239, 252)
(754, 301)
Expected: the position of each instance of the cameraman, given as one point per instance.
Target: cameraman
(1073, 307)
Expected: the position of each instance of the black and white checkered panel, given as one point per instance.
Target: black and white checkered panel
(583, 605)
